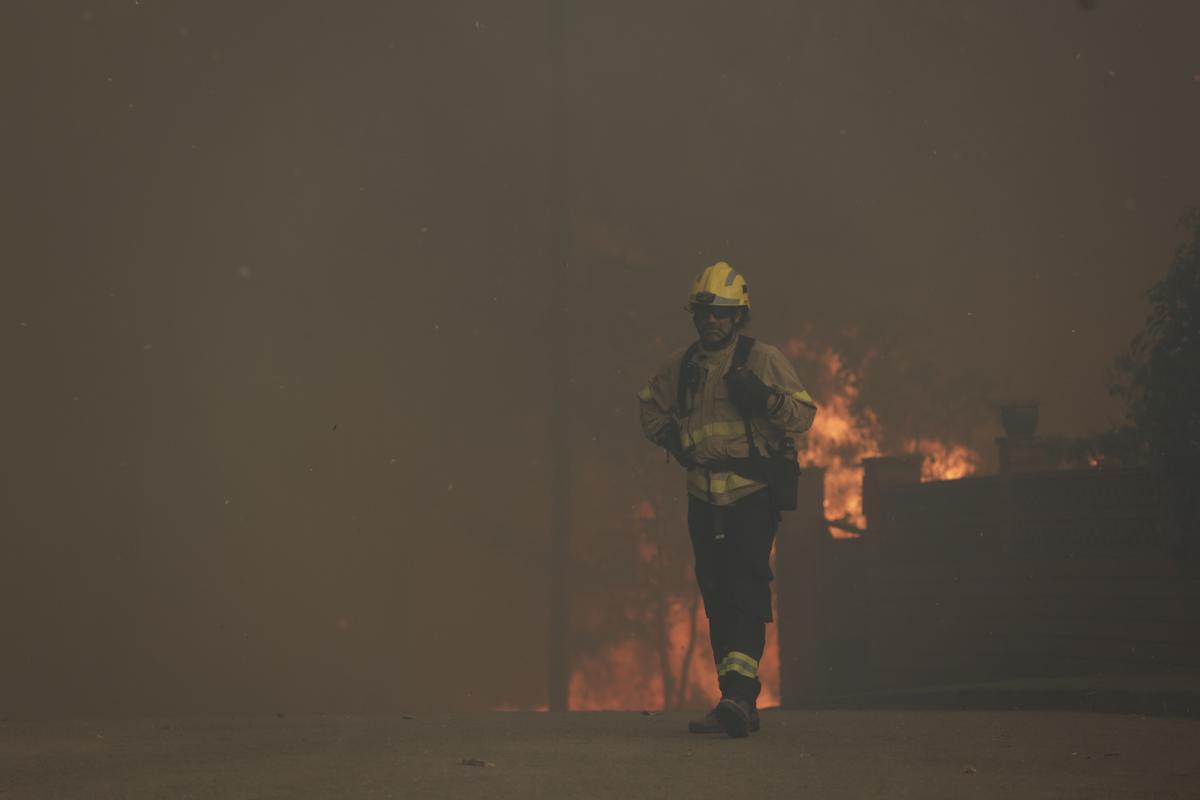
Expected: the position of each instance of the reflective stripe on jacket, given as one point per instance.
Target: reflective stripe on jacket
(711, 428)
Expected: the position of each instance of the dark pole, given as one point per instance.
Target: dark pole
(559, 351)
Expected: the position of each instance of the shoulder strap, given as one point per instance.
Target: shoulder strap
(741, 352)
(741, 355)
(680, 384)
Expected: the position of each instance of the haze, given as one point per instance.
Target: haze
(275, 289)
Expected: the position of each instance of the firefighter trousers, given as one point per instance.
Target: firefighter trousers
(732, 548)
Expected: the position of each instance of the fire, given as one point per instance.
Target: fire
(618, 679)
(511, 707)
(674, 667)
(632, 675)
(944, 462)
(840, 438)
(843, 435)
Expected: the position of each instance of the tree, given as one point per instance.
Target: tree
(1159, 380)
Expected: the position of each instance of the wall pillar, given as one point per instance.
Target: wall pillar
(881, 474)
(802, 667)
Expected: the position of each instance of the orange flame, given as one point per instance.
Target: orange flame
(842, 437)
(944, 462)
(633, 675)
(627, 676)
(839, 439)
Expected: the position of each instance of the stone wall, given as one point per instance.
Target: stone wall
(1017, 576)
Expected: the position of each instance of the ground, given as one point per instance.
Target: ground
(816, 754)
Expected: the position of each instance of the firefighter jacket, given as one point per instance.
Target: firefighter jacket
(710, 427)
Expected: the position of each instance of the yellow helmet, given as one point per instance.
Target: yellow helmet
(719, 285)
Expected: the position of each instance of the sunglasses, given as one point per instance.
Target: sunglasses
(717, 312)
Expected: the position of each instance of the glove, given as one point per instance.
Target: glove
(747, 392)
(673, 442)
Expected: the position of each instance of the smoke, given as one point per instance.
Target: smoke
(275, 293)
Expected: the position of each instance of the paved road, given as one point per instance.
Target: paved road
(811, 754)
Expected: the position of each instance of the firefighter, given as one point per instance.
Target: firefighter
(725, 408)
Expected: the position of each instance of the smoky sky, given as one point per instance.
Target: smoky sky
(275, 287)
(1006, 177)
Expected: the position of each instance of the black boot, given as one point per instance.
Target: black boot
(709, 723)
(733, 714)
